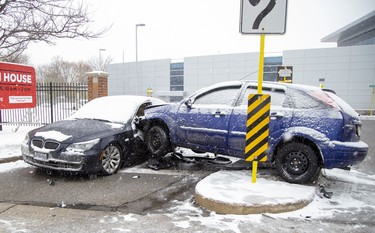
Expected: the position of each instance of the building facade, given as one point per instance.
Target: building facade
(348, 69)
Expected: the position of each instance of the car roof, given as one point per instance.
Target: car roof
(130, 98)
(284, 85)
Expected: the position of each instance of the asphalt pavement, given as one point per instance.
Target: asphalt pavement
(141, 200)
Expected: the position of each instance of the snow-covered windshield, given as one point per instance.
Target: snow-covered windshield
(111, 108)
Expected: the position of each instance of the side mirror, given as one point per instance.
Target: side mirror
(189, 103)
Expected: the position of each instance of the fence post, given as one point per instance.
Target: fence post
(51, 101)
(97, 84)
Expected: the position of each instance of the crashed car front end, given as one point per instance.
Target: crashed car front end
(51, 154)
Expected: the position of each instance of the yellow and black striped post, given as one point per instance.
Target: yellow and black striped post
(257, 129)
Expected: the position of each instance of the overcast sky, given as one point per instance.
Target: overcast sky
(181, 28)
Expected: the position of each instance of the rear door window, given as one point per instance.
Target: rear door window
(277, 95)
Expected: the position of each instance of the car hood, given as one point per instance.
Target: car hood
(77, 130)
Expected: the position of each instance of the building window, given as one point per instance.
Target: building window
(177, 76)
(270, 68)
(175, 98)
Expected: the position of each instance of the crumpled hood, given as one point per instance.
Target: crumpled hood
(77, 130)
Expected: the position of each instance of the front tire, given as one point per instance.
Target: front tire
(157, 141)
(297, 163)
(111, 159)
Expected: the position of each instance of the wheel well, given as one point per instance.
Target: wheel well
(159, 123)
(306, 141)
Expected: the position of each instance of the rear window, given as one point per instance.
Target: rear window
(343, 105)
(312, 99)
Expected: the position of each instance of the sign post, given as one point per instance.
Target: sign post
(260, 17)
(372, 99)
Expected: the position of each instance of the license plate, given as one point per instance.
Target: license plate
(41, 156)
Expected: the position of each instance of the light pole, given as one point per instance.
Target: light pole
(136, 39)
(136, 52)
(100, 58)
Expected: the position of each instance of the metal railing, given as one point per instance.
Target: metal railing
(55, 102)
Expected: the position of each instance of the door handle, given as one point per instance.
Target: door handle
(277, 114)
(218, 114)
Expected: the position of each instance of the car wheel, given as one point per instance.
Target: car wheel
(111, 159)
(157, 141)
(297, 163)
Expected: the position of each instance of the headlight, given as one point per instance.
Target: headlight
(80, 147)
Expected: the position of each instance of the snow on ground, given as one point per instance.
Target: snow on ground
(186, 214)
(5, 167)
(11, 138)
(222, 186)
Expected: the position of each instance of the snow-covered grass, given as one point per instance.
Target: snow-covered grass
(11, 138)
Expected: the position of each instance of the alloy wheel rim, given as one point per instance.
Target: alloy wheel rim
(111, 159)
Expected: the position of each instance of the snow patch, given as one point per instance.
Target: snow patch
(6, 167)
(224, 185)
(353, 176)
(55, 135)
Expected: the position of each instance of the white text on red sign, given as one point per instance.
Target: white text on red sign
(9, 77)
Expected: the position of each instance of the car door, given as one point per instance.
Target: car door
(204, 123)
(280, 117)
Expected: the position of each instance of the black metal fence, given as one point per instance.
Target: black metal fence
(55, 101)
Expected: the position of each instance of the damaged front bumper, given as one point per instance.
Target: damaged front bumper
(82, 163)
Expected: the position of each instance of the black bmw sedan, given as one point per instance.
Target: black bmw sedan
(100, 137)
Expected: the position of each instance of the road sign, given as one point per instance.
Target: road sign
(263, 16)
(257, 125)
(285, 74)
(17, 86)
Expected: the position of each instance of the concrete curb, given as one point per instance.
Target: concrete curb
(229, 208)
(10, 159)
(230, 192)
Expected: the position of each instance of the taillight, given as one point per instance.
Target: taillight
(358, 130)
(350, 133)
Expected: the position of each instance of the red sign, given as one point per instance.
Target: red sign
(17, 86)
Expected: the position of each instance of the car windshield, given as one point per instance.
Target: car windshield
(112, 109)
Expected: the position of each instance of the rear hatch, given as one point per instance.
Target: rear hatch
(352, 123)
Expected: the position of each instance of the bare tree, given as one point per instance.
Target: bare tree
(25, 21)
(100, 64)
(61, 71)
(18, 58)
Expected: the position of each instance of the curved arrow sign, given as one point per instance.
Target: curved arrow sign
(263, 16)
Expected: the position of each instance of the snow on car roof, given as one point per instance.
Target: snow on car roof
(120, 108)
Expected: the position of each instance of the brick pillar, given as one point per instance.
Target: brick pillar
(97, 83)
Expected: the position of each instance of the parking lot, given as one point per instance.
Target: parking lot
(138, 197)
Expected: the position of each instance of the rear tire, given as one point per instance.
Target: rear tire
(157, 141)
(297, 163)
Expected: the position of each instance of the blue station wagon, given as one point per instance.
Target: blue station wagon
(309, 128)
